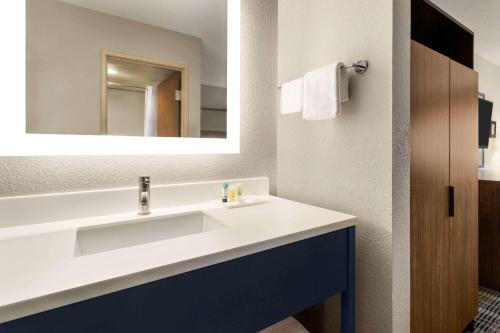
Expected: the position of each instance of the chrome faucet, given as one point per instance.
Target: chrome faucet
(144, 196)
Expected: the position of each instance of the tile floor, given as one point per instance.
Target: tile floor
(488, 319)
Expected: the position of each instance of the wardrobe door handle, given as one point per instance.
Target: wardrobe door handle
(451, 201)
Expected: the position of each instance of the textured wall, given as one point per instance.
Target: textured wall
(401, 167)
(29, 175)
(489, 83)
(344, 164)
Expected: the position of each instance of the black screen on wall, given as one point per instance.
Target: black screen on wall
(485, 111)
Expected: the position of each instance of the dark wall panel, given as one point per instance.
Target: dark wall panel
(489, 234)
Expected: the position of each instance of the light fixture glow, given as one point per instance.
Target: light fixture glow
(112, 71)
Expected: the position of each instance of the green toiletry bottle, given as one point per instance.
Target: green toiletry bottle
(224, 192)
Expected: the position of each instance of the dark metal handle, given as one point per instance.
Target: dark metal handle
(451, 201)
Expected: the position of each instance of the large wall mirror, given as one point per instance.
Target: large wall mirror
(121, 77)
(127, 68)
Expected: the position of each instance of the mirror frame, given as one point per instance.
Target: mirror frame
(14, 141)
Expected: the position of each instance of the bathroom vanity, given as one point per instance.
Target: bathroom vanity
(79, 262)
(151, 78)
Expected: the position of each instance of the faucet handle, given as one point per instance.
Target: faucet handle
(145, 180)
(144, 195)
(144, 183)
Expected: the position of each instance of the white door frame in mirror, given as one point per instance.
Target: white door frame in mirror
(15, 142)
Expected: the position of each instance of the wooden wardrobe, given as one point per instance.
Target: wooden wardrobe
(444, 193)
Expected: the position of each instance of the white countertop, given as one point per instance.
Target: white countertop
(39, 269)
(489, 174)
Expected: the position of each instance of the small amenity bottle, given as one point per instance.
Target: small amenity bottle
(224, 192)
(239, 187)
(233, 192)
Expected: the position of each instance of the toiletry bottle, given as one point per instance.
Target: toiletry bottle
(224, 191)
(239, 187)
(232, 193)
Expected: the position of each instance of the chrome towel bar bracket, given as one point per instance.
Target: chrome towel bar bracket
(360, 67)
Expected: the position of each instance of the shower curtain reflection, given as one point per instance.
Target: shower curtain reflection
(150, 111)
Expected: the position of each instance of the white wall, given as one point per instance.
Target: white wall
(29, 175)
(125, 112)
(344, 164)
(215, 98)
(64, 44)
(213, 121)
(489, 83)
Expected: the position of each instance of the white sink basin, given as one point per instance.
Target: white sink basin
(97, 239)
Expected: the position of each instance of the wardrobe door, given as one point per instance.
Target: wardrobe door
(429, 177)
(463, 285)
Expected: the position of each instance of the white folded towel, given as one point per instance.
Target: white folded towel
(324, 89)
(291, 96)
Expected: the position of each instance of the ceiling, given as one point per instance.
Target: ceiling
(482, 17)
(134, 74)
(206, 19)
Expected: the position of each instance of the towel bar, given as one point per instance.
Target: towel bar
(359, 66)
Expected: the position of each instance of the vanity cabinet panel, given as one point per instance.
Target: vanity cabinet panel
(444, 194)
(242, 295)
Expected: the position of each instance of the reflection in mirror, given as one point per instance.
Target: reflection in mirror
(136, 68)
(143, 98)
